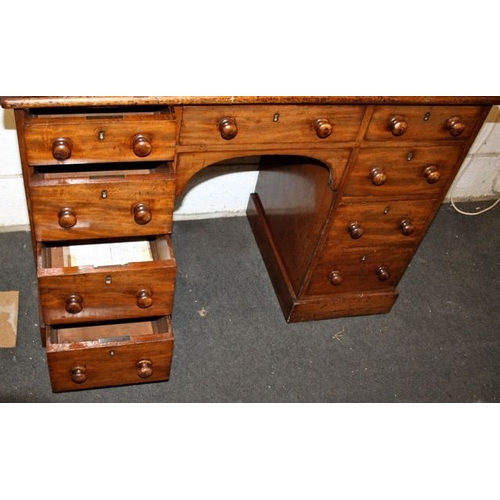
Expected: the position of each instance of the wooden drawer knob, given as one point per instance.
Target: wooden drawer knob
(323, 127)
(228, 128)
(398, 125)
(141, 145)
(79, 374)
(61, 149)
(142, 214)
(455, 126)
(144, 299)
(432, 174)
(145, 368)
(74, 304)
(378, 176)
(383, 273)
(336, 278)
(67, 217)
(355, 230)
(407, 227)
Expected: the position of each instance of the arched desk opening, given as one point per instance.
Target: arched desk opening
(288, 210)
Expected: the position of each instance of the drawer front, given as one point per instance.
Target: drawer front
(403, 171)
(134, 206)
(377, 223)
(359, 270)
(408, 123)
(76, 139)
(228, 126)
(109, 355)
(85, 293)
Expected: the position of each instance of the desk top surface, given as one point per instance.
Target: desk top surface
(72, 101)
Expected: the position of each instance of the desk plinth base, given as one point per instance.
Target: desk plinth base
(309, 308)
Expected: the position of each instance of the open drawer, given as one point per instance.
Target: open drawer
(106, 281)
(102, 202)
(109, 354)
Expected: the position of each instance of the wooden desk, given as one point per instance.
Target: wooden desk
(347, 189)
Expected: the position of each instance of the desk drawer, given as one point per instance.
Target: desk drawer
(409, 123)
(359, 270)
(377, 223)
(228, 126)
(83, 283)
(412, 171)
(104, 355)
(73, 139)
(102, 207)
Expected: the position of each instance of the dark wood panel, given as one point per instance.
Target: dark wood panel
(297, 197)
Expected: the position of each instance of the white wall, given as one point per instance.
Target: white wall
(224, 190)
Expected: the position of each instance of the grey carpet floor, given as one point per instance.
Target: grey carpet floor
(440, 343)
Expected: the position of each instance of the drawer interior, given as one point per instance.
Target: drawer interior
(108, 333)
(74, 173)
(104, 254)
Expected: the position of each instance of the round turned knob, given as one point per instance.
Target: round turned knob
(144, 299)
(67, 217)
(145, 368)
(78, 374)
(142, 214)
(383, 273)
(407, 227)
(398, 125)
(432, 174)
(228, 128)
(323, 127)
(378, 176)
(74, 304)
(336, 278)
(355, 230)
(141, 145)
(61, 149)
(455, 126)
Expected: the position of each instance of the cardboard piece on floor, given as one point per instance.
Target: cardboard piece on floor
(9, 306)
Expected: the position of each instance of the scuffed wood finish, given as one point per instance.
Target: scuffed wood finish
(71, 101)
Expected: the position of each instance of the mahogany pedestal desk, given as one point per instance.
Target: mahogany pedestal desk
(347, 189)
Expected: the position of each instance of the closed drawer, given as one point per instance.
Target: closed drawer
(359, 270)
(228, 126)
(408, 123)
(378, 223)
(86, 357)
(105, 281)
(413, 171)
(102, 204)
(90, 138)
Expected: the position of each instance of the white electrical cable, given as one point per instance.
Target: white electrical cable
(457, 181)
